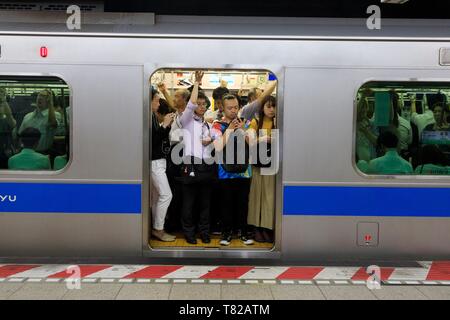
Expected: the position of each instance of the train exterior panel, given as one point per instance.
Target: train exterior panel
(321, 196)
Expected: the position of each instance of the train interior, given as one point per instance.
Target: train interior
(238, 83)
(418, 112)
(18, 96)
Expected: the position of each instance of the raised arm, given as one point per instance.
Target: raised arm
(250, 110)
(188, 113)
(266, 94)
(198, 81)
(163, 89)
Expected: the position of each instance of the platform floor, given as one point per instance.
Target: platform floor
(140, 291)
(428, 280)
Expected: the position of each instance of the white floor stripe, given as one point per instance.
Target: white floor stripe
(197, 281)
(336, 273)
(87, 280)
(269, 282)
(161, 280)
(234, 281)
(107, 280)
(393, 282)
(143, 280)
(430, 282)
(125, 280)
(305, 282)
(341, 282)
(405, 274)
(52, 280)
(251, 281)
(264, 273)
(358, 282)
(2, 279)
(34, 280)
(116, 271)
(322, 282)
(189, 272)
(179, 281)
(15, 279)
(215, 281)
(42, 271)
(287, 282)
(412, 282)
(445, 282)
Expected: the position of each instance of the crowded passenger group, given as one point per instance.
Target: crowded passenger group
(201, 196)
(30, 145)
(403, 146)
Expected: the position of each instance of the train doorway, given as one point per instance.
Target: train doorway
(241, 210)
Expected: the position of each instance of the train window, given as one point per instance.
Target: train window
(34, 123)
(403, 128)
(207, 203)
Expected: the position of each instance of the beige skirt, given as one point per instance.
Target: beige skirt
(261, 206)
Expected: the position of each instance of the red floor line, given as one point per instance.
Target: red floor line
(439, 270)
(85, 270)
(361, 274)
(153, 272)
(227, 272)
(300, 273)
(12, 269)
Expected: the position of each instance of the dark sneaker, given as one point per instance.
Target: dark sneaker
(206, 238)
(225, 240)
(191, 240)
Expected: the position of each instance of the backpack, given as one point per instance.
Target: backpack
(232, 144)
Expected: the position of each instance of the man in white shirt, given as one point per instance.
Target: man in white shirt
(44, 118)
(420, 120)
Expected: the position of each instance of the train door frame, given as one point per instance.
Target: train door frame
(276, 251)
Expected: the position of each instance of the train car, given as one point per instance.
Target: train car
(327, 208)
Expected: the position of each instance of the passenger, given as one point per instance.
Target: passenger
(440, 122)
(261, 208)
(365, 138)
(420, 120)
(234, 186)
(217, 113)
(253, 94)
(45, 119)
(433, 162)
(177, 103)
(162, 194)
(197, 169)
(255, 104)
(60, 162)
(391, 162)
(402, 126)
(28, 158)
(7, 125)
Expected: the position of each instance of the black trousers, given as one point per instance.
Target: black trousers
(196, 197)
(234, 204)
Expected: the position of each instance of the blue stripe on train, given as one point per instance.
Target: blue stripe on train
(366, 201)
(70, 198)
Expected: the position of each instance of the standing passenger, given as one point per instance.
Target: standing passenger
(161, 193)
(7, 124)
(197, 169)
(45, 119)
(261, 208)
(235, 186)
